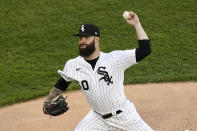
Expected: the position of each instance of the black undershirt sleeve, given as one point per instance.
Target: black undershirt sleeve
(143, 50)
(62, 84)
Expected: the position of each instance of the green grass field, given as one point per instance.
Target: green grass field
(36, 40)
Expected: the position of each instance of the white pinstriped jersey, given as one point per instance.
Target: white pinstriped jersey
(103, 86)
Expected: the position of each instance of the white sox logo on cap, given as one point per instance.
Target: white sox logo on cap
(82, 28)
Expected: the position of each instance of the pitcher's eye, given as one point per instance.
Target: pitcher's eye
(80, 37)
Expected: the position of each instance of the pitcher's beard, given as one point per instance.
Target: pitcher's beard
(88, 50)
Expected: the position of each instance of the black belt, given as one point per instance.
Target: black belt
(106, 116)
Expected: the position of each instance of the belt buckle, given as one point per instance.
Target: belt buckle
(114, 113)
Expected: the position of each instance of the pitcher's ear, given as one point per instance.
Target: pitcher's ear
(97, 38)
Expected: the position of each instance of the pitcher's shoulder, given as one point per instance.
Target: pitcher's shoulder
(76, 60)
(115, 52)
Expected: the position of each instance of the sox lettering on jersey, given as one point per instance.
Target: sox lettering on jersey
(105, 75)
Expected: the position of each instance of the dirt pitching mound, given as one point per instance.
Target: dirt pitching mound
(165, 107)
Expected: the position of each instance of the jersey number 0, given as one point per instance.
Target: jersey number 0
(84, 84)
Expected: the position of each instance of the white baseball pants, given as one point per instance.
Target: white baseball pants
(128, 120)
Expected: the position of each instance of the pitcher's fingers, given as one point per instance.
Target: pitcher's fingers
(132, 14)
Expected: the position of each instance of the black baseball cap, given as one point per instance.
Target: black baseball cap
(88, 30)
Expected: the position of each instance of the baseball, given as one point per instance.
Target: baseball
(126, 15)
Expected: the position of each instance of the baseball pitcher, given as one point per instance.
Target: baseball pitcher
(100, 76)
